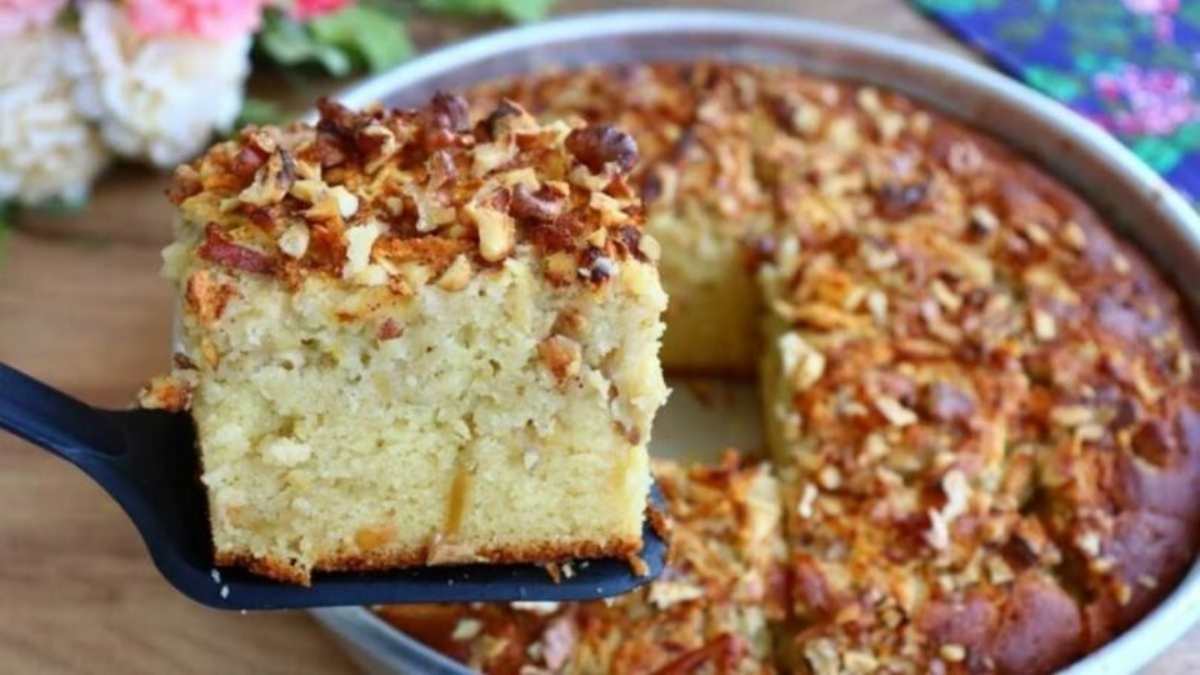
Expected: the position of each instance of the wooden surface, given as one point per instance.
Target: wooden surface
(82, 307)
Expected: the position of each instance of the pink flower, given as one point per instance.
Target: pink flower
(1160, 12)
(17, 15)
(1155, 102)
(1164, 27)
(208, 19)
(308, 9)
(1152, 6)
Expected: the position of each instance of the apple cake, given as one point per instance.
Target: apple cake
(407, 340)
(708, 612)
(982, 405)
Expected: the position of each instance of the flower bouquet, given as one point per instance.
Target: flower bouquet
(88, 81)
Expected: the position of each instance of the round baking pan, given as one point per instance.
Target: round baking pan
(1128, 194)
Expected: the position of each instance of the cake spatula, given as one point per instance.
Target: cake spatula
(147, 460)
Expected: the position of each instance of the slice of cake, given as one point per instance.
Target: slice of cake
(408, 340)
(709, 612)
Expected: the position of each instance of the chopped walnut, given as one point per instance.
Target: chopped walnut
(896, 414)
(360, 240)
(953, 653)
(218, 248)
(801, 362)
(544, 205)
(496, 232)
(294, 241)
(206, 296)
(599, 145)
(561, 355)
(383, 145)
(457, 275)
(271, 182)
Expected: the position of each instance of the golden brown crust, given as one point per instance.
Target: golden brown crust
(432, 554)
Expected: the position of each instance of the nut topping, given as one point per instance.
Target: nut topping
(599, 145)
(542, 206)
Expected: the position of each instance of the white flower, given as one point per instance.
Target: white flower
(159, 98)
(47, 149)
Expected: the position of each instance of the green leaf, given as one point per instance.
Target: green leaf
(515, 10)
(1058, 84)
(290, 44)
(1190, 12)
(1159, 153)
(1187, 137)
(258, 111)
(371, 35)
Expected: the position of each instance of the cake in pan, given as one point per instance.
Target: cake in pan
(982, 406)
(708, 612)
(408, 339)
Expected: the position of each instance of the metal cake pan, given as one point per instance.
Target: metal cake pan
(1125, 191)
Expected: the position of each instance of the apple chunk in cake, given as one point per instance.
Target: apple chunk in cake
(408, 340)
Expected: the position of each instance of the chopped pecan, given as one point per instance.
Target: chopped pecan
(336, 132)
(219, 249)
(600, 144)
(898, 201)
(1153, 443)
(595, 265)
(185, 183)
(206, 297)
(542, 206)
(336, 118)
(561, 355)
(492, 122)
(721, 652)
(330, 150)
(449, 111)
(271, 182)
(247, 161)
(631, 238)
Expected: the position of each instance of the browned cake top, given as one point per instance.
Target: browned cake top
(723, 581)
(397, 197)
(994, 414)
(994, 409)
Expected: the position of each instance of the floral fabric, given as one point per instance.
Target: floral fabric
(1131, 66)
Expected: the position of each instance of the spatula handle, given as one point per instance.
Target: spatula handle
(53, 420)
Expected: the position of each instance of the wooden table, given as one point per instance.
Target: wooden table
(82, 307)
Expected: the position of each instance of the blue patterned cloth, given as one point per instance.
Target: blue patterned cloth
(1131, 66)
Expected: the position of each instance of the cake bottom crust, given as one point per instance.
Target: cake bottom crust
(535, 552)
